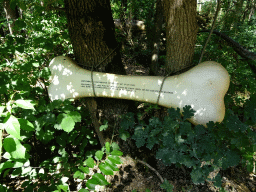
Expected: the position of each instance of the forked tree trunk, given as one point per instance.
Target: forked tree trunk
(181, 32)
(91, 30)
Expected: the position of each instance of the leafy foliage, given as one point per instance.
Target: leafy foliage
(219, 146)
(53, 141)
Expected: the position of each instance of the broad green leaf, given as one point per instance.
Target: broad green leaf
(116, 152)
(99, 155)
(12, 126)
(79, 175)
(5, 165)
(100, 178)
(115, 146)
(75, 116)
(14, 148)
(91, 183)
(111, 165)
(67, 124)
(63, 187)
(25, 104)
(115, 159)
(84, 169)
(106, 169)
(90, 162)
(26, 125)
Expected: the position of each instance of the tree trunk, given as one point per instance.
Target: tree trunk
(91, 30)
(154, 66)
(181, 32)
(11, 15)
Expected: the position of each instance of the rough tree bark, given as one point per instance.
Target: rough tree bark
(91, 30)
(181, 32)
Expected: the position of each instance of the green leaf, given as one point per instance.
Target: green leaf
(90, 162)
(63, 187)
(112, 165)
(124, 134)
(106, 169)
(234, 124)
(83, 190)
(197, 176)
(25, 104)
(75, 116)
(84, 169)
(231, 159)
(140, 134)
(99, 155)
(107, 145)
(116, 152)
(12, 126)
(128, 121)
(115, 146)
(167, 186)
(100, 178)
(91, 183)
(26, 125)
(6, 165)
(115, 159)
(188, 112)
(79, 175)
(48, 118)
(45, 73)
(103, 127)
(174, 113)
(66, 122)
(14, 148)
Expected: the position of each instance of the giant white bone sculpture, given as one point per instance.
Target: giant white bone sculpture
(203, 87)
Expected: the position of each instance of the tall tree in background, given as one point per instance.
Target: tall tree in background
(91, 30)
(181, 32)
(154, 65)
(11, 13)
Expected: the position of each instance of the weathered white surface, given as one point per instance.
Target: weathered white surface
(203, 87)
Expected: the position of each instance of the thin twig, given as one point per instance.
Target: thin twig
(213, 24)
(160, 177)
